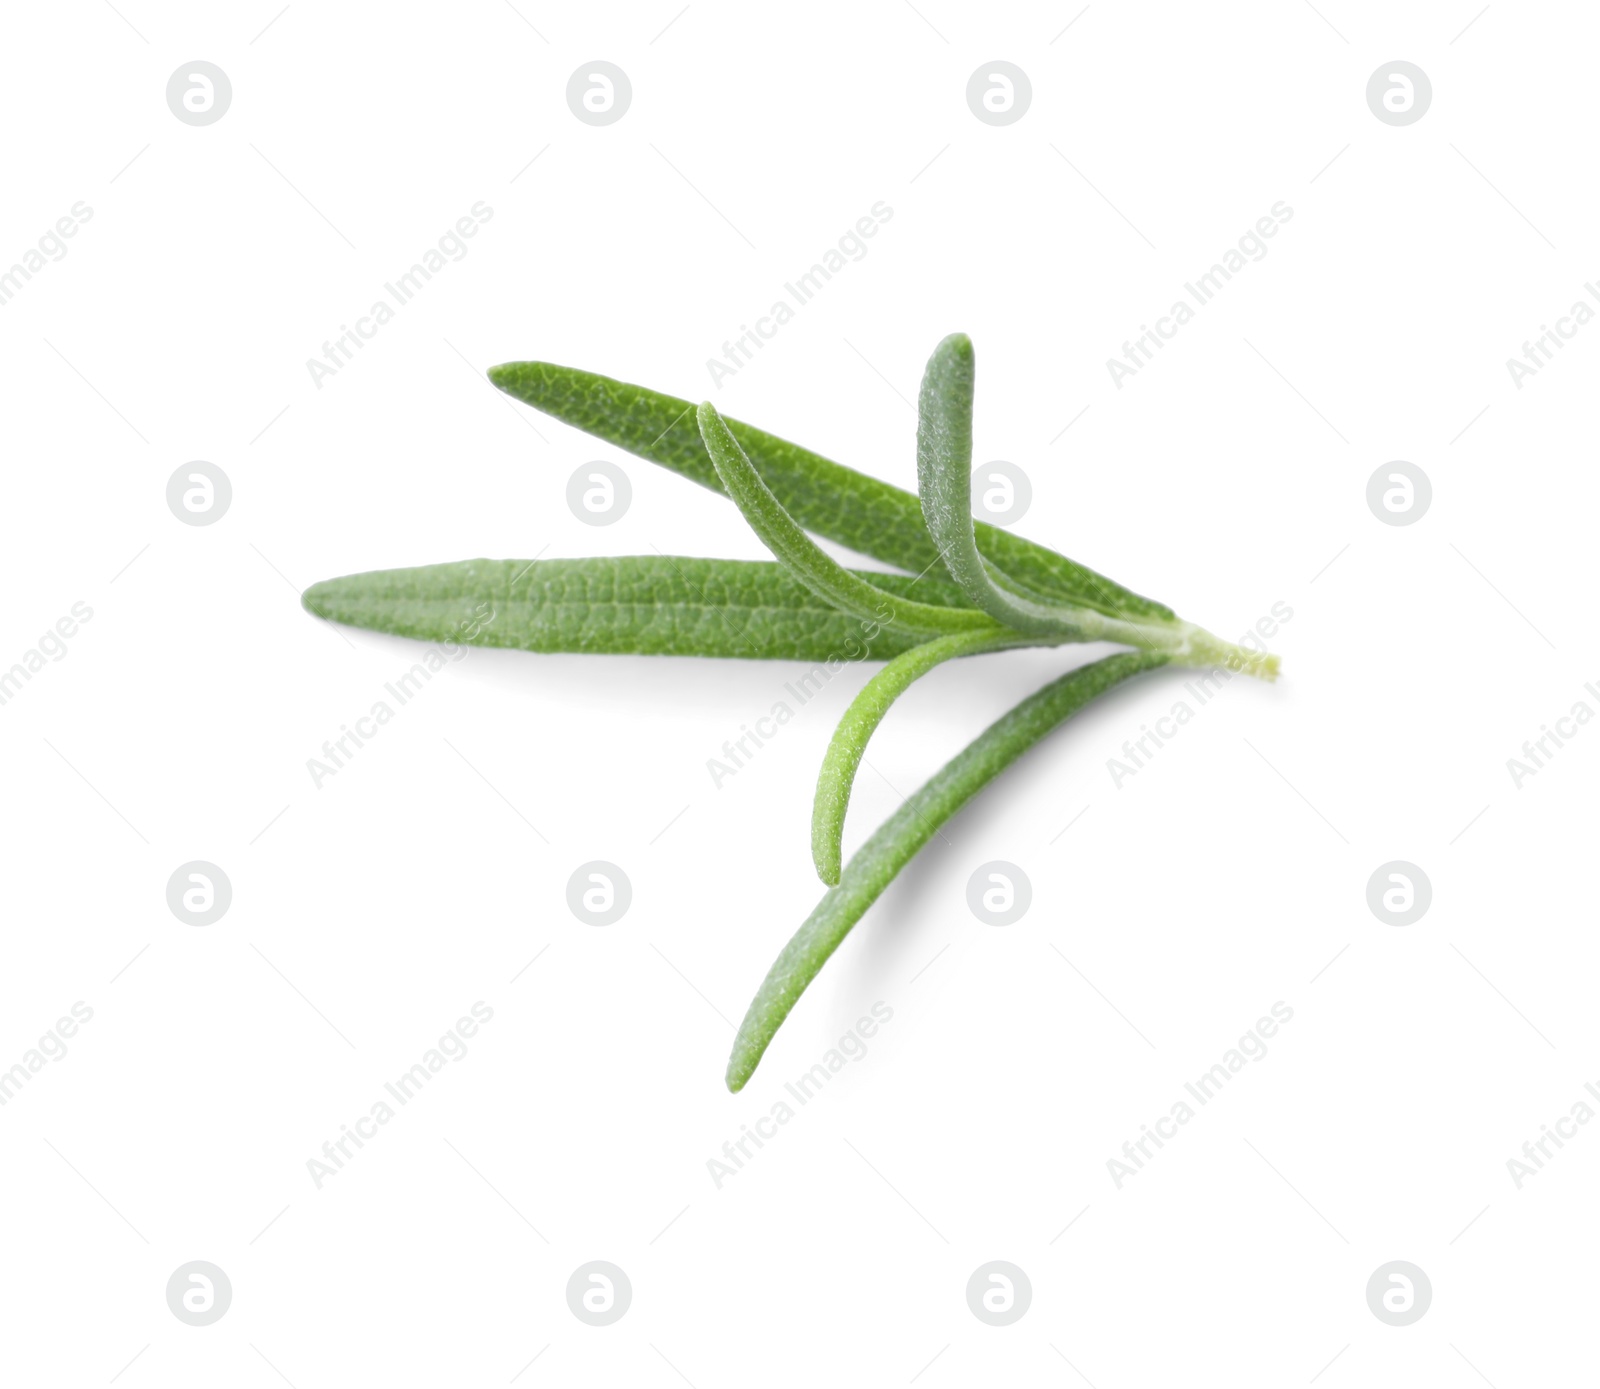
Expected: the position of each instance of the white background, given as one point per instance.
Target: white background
(1230, 873)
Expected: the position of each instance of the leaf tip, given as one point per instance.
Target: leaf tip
(315, 599)
(826, 856)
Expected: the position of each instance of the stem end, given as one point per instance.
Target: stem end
(1201, 648)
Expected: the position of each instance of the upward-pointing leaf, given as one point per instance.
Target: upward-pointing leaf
(944, 480)
(944, 486)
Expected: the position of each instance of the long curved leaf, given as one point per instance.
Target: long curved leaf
(802, 557)
(860, 722)
(645, 604)
(848, 507)
(898, 839)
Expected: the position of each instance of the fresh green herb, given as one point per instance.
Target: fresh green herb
(838, 503)
(861, 720)
(802, 557)
(895, 841)
(656, 605)
(969, 589)
(944, 480)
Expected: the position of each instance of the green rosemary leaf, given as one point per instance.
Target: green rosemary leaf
(861, 720)
(801, 556)
(649, 604)
(944, 480)
(899, 838)
(849, 508)
(944, 487)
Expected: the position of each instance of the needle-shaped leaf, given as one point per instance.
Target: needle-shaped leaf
(898, 839)
(848, 507)
(805, 560)
(860, 721)
(944, 487)
(649, 604)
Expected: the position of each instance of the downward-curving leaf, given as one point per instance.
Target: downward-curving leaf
(802, 557)
(850, 508)
(892, 846)
(649, 604)
(860, 722)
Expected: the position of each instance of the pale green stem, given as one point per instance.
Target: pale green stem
(944, 485)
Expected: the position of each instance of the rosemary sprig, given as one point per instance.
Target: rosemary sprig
(969, 589)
